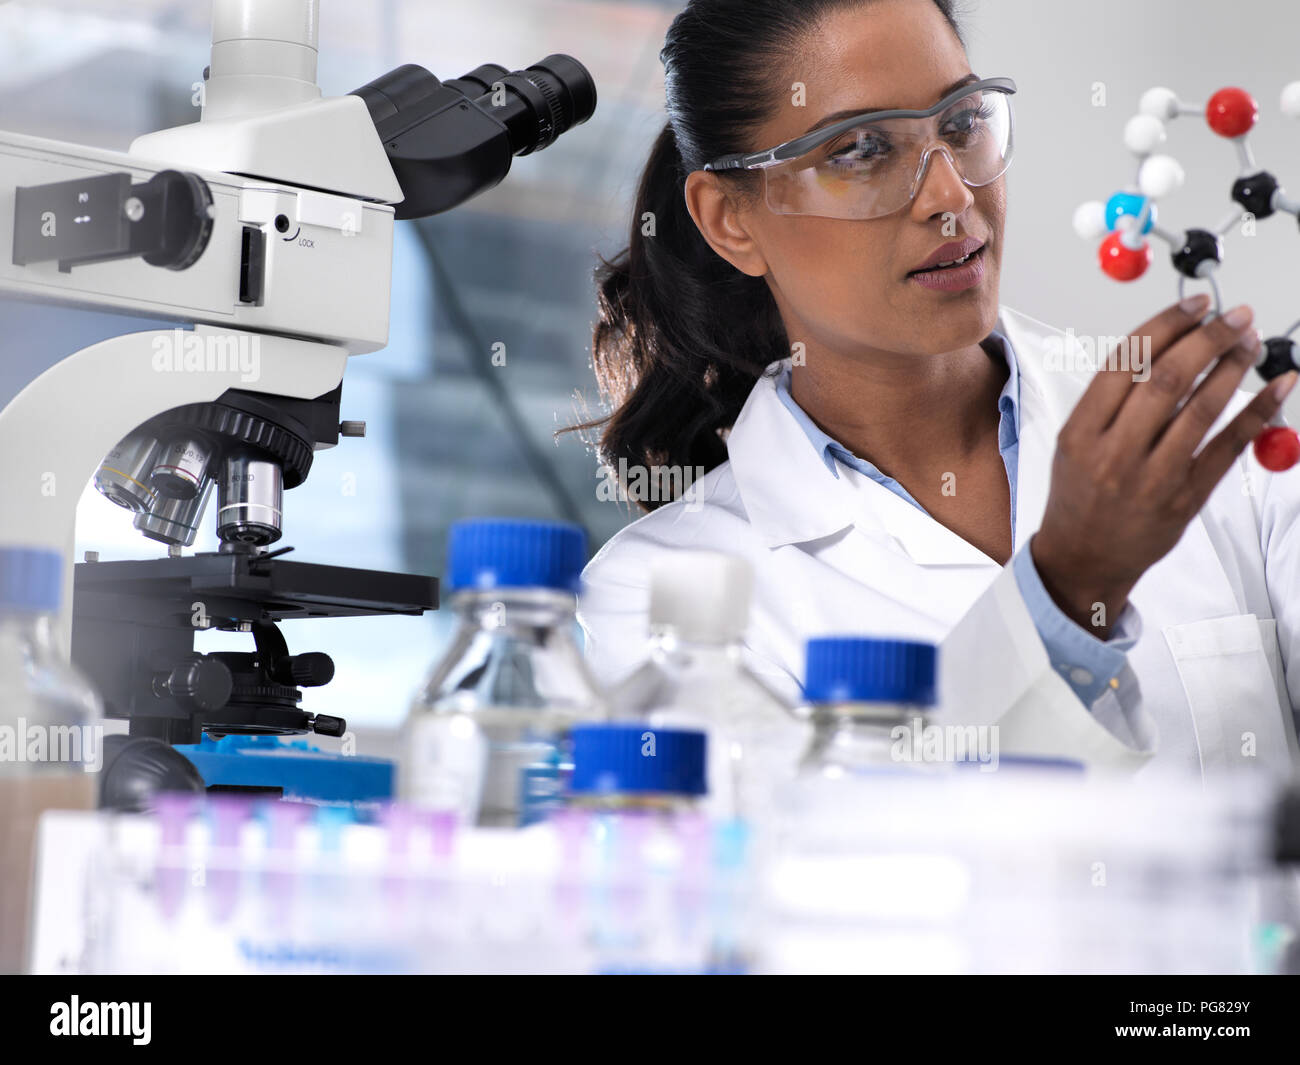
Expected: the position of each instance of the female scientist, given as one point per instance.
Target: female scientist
(808, 311)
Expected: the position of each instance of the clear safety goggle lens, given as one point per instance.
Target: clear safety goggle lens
(876, 168)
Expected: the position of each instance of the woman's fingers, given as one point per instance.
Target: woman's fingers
(1217, 457)
(1150, 404)
(1174, 448)
(1101, 401)
(1127, 462)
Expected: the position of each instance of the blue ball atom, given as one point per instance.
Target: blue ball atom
(1128, 203)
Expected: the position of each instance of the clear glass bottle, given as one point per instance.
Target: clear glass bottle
(488, 735)
(870, 702)
(695, 677)
(51, 731)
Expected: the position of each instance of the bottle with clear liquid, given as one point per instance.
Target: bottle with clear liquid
(488, 735)
(51, 731)
(695, 677)
(870, 703)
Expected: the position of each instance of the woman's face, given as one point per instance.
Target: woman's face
(843, 285)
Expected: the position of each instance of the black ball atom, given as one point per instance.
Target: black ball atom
(1199, 246)
(1255, 193)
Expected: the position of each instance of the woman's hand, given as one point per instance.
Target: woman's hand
(1125, 479)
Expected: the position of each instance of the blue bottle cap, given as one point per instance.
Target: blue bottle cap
(487, 553)
(31, 579)
(621, 758)
(855, 669)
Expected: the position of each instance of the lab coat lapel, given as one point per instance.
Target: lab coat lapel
(790, 495)
(1045, 402)
(924, 540)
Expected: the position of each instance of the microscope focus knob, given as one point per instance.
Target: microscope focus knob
(324, 725)
(310, 670)
(204, 683)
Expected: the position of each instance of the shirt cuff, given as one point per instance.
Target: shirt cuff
(1091, 667)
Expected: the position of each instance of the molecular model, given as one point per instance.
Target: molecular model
(1129, 216)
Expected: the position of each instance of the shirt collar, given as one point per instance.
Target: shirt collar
(825, 445)
(1009, 398)
(830, 450)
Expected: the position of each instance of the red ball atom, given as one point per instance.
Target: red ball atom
(1121, 262)
(1231, 112)
(1278, 448)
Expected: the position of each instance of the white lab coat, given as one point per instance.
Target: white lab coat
(1219, 615)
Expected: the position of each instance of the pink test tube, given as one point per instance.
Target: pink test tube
(283, 820)
(227, 816)
(173, 811)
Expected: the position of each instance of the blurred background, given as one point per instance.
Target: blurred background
(452, 436)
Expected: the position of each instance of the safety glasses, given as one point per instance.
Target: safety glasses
(872, 164)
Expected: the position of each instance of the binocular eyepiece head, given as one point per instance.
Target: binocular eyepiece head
(448, 141)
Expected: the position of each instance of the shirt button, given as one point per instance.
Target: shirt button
(1079, 675)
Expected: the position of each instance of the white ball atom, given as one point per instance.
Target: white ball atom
(1159, 103)
(1160, 175)
(1090, 219)
(1291, 100)
(1144, 134)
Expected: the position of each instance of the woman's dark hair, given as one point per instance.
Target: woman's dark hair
(683, 334)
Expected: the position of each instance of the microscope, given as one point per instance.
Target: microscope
(265, 230)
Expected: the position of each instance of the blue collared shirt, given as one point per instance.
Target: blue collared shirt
(1089, 665)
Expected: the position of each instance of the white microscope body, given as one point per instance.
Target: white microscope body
(268, 226)
(269, 149)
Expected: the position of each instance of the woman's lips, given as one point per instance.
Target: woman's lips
(953, 278)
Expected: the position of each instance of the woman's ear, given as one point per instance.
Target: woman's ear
(722, 224)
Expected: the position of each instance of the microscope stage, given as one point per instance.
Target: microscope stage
(237, 587)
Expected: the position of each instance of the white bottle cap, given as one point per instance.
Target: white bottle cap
(703, 596)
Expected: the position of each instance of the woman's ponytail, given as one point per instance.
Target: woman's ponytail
(681, 338)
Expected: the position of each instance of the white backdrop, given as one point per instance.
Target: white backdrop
(1070, 151)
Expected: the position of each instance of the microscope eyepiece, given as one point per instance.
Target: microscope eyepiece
(540, 103)
(449, 141)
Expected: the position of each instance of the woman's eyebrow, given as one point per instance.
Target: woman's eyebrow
(836, 116)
